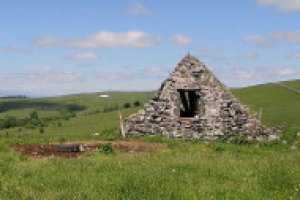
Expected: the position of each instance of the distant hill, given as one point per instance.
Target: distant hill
(280, 101)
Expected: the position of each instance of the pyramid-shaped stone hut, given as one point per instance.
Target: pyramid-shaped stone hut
(193, 103)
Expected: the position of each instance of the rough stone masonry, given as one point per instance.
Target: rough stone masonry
(193, 103)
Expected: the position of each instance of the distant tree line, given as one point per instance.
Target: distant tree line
(110, 108)
(15, 97)
(117, 107)
(33, 121)
(134, 104)
(35, 104)
(125, 105)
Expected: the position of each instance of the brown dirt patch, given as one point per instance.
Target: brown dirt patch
(43, 150)
(46, 150)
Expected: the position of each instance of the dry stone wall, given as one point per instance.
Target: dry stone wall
(217, 113)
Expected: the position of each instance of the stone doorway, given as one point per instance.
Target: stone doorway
(188, 103)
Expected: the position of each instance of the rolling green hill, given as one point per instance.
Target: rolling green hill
(93, 114)
(77, 102)
(280, 103)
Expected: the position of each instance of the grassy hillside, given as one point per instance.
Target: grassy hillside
(78, 102)
(280, 105)
(93, 114)
(293, 84)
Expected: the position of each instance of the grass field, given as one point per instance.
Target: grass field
(185, 170)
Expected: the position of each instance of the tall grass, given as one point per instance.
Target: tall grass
(186, 171)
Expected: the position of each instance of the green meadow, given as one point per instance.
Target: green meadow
(184, 170)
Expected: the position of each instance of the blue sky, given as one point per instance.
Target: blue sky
(60, 47)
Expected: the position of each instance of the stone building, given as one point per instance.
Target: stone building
(193, 103)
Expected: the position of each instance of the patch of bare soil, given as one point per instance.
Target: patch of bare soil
(55, 149)
(43, 150)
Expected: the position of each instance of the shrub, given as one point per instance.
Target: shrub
(106, 148)
(34, 115)
(136, 104)
(66, 114)
(34, 122)
(127, 105)
(42, 130)
(8, 122)
(30, 126)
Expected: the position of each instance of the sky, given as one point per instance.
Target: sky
(61, 47)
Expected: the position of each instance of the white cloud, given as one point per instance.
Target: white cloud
(136, 39)
(251, 55)
(208, 49)
(40, 76)
(138, 9)
(259, 40)
(114, 76)
(244, 74)
(255, 39)
(261, 74)
(156, 73)
(295, 55)
(268, 40)
(283, 72)
(131, 75)
(181, 40)
(48, 75)
(155, 70)
(84, 56)
(282, 5)
(15, 49)
(286, 37)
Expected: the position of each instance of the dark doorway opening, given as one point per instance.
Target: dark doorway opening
(188, 103)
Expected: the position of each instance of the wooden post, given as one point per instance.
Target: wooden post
(121, 124)
(260, 112)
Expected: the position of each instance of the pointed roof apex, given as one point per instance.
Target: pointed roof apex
(191, 58)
